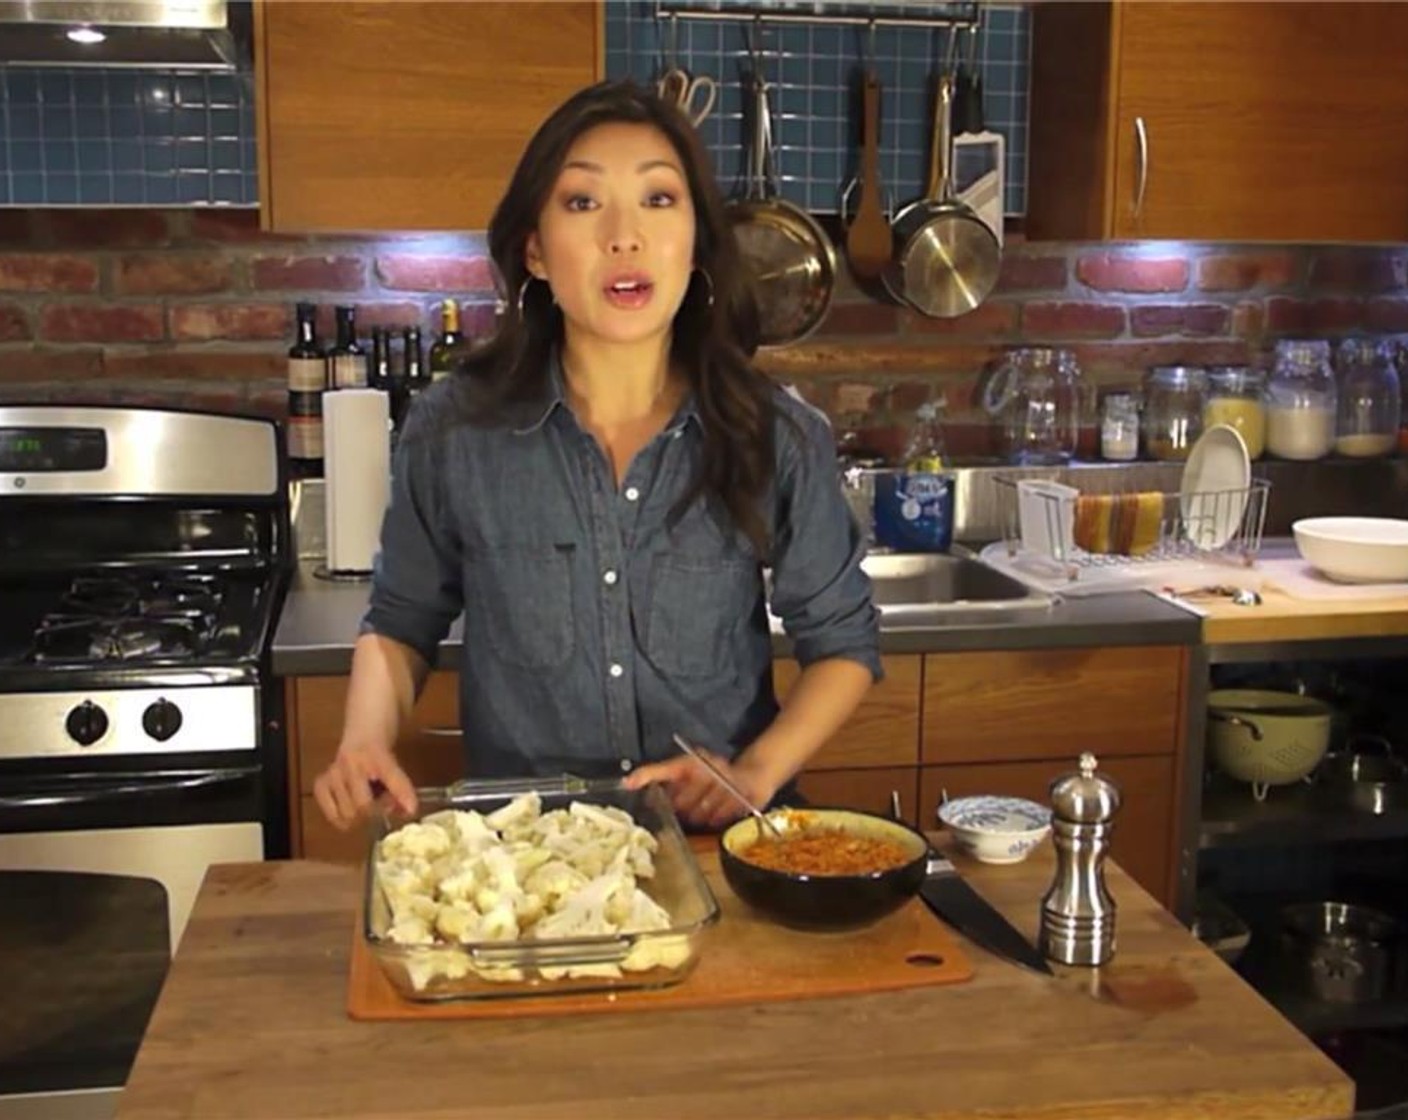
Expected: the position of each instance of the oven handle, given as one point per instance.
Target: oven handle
(152, 785)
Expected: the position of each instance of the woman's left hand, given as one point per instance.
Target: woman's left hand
(697, 796)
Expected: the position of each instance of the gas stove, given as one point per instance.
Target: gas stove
(143, 557)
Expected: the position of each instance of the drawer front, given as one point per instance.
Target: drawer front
(430, 760)
(1013, 705)
(863, 789)
(884, 731)
(1142, 843)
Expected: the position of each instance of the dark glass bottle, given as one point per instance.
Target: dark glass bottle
(307, 378)
(445, 351)
(347, 361)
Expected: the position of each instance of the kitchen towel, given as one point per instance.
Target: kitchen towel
(357, 464)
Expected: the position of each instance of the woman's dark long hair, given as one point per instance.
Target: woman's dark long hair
(715, 328)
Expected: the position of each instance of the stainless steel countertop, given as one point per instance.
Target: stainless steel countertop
(318, 626)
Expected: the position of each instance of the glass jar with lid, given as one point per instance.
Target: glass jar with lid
(1173, 410)
(1119, 428)
(1235, 399)
(1300, 401)
(1368, 392)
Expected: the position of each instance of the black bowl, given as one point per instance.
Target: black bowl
(825, 902)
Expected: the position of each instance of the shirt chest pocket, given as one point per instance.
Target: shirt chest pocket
(523, 595)
(697, 606)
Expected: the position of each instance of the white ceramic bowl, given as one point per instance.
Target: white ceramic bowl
(996, 829)
(1355, 549)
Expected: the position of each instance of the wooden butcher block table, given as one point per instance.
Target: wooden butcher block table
(253, 1024)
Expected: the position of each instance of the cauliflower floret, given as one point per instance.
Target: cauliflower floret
(416, 839)
(458, 922)
(657, 952)
(463, 885)
(411, 931)
(520, 810)
(499, 924)
(553, 880)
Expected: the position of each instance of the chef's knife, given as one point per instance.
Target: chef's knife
(958, 904)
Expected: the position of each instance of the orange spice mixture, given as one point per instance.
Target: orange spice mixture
(825, 852)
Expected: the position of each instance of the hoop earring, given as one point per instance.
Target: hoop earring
(709, 280)
(523, 294)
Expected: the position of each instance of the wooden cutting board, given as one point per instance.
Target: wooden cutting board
(745, 959)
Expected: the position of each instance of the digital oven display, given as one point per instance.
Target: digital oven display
(32, 450)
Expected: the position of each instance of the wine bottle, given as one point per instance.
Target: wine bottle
(307, 378)
(347, 361)
(445, 351)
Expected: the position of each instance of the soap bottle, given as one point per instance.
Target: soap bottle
(1077, 912)
(914, 504)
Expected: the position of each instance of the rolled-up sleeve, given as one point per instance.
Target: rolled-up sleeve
(819, 590)
(416, 590)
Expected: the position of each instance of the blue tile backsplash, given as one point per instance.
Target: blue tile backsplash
(813, 65)
(121, 137)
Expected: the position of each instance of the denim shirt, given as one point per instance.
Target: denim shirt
(593, 630)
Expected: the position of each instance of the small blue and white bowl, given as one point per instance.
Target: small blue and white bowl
(996, 829)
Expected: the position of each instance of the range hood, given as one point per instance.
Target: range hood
(166, 34)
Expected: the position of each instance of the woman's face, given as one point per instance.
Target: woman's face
(616, 238)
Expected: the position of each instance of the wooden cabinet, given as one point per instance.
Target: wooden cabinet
(868, 788)
(429, 751)
(998, 721)
(407, 115)
(1144, 830)
(1028, 704)
(884, 731)
(1268, 121)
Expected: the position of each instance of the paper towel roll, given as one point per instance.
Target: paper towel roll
(357, 464)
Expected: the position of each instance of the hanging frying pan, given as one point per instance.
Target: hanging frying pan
(789, 256)
(946, 258)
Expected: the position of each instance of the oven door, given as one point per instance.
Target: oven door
(98, 873)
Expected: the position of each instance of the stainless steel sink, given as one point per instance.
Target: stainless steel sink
(927, 589)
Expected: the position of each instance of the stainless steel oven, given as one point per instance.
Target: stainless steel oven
(142, 560)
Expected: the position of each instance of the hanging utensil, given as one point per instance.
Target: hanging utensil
(694, 96)
(968, 86)
(722, 779)
(791, 260)
(947, 259)
(868, 242)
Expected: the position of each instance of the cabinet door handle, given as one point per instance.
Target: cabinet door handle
(896, 810)
(442, 732)
(1141, 138)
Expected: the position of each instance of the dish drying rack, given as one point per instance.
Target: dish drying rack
(1038, 528)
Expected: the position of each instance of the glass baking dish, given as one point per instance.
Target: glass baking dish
(529, 967)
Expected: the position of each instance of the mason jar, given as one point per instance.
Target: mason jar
(1368, 394)
(1173, 410)
(1235, 399)
(1300, 401)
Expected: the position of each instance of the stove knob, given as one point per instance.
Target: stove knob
(161, 720)
(86, 724)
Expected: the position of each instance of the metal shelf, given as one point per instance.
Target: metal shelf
(840, 13)
(1300, 814)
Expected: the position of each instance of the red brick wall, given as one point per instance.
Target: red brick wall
(195, 307)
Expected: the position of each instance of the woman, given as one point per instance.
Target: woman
(598, 491)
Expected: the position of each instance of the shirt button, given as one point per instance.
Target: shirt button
(615, 670)
(625, 765)
(632, 493)
(609, 577)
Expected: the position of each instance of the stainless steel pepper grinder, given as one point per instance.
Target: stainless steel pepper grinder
(1077, 913)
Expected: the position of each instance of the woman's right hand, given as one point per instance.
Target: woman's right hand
(345, 792)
